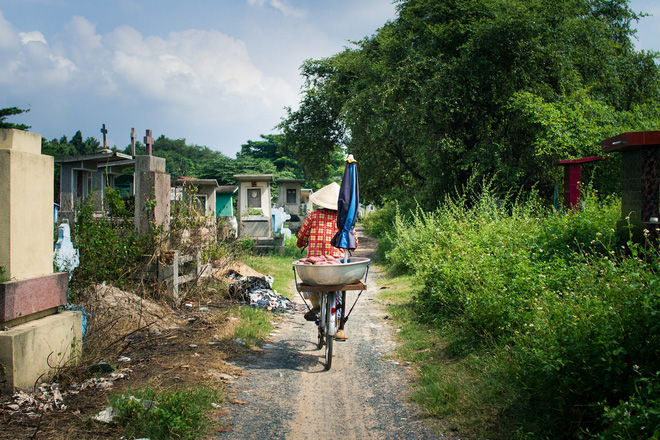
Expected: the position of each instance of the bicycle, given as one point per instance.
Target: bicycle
(332, 316)
(326, 281)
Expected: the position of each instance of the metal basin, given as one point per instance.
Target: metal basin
(332, 274)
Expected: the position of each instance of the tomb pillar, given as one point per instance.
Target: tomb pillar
(572, 179)
(36, 335)
(152, 193)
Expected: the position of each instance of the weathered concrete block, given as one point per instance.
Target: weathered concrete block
(256, 227)
(25, 297)
(30, 352)
(26, 206)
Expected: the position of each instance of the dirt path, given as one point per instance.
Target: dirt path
(287, 394)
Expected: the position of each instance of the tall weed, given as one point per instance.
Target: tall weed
(567, 318)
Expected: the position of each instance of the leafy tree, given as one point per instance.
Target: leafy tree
(459, 88)
(271, 148)
(182, 159)
(11, 111)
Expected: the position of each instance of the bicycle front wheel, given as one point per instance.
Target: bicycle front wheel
(330, 327)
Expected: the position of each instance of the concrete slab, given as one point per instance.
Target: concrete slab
(30, 352)
(24, 297)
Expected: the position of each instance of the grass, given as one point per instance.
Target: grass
(181, 414)
(254, 325)
(278, 266)
(449, 388)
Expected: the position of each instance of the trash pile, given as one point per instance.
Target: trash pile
(258, 292)
(50, 397)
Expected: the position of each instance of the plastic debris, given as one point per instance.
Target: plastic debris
(100, 367)
(107, 415)
(257, 292)
(124, 359)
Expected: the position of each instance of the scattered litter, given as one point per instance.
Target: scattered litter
(106, 416)
(124, 359)
(258, 292)
(50, 397)
(192, 345)
(239, 341)
(215, 405)
(215, 342)
(100, 367)
(204, 309)
(226, 378)
(189, 305)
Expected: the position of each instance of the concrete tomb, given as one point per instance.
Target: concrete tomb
(640, 178)
(254, 211)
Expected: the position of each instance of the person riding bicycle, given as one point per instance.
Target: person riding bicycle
(316, 233)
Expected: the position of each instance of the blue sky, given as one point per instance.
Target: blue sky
(215, 72)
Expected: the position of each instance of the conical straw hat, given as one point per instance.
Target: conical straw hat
(327, 196)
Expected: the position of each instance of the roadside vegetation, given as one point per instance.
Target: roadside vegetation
(173, 355)
(160, 415)
(524, 322)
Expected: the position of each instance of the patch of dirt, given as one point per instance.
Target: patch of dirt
(154, 344)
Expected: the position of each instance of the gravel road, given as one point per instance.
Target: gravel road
(287, 394)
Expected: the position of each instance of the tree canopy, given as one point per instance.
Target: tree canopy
(456, 88)
(11, 111)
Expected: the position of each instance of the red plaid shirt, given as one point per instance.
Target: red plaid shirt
(317, 231)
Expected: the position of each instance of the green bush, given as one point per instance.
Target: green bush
(379, 224)
(566, 317)
(291, 249)
(638, 416)
(110, 250)
(165, 415)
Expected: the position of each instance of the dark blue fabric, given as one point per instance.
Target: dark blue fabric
(347, 207)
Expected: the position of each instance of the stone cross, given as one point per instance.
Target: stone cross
(133, 141)
(104, 131)
(148, 141)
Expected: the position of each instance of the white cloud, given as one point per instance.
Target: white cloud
(34, 36)
(282, 6)
(193, 69)
(8, 36)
